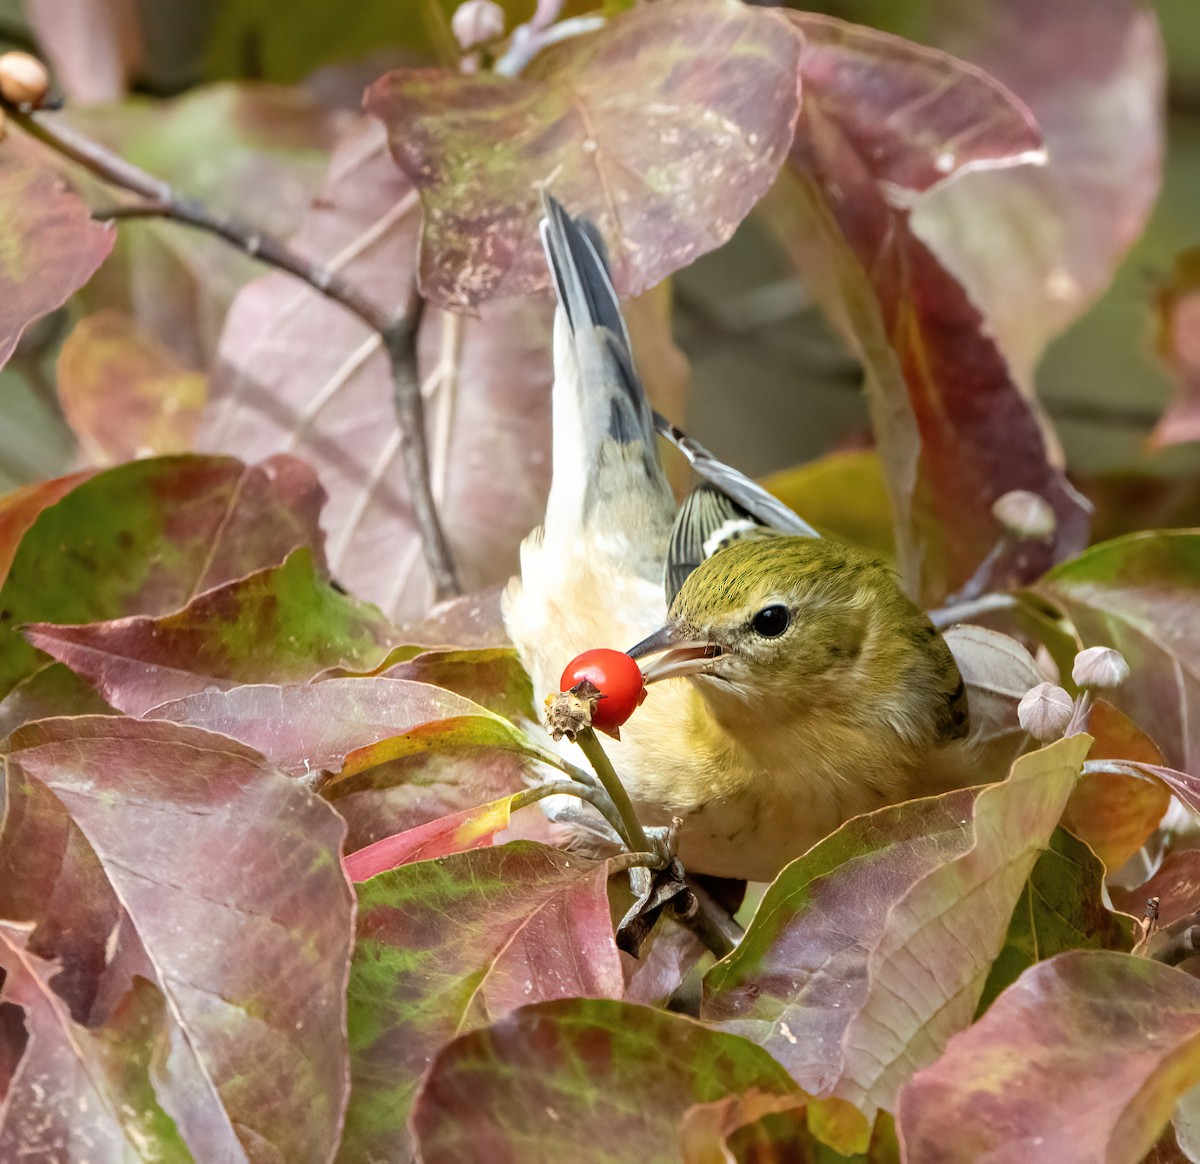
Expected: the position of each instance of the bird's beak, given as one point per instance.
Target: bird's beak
(675, 655)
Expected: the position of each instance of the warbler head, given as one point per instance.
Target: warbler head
(789, 621)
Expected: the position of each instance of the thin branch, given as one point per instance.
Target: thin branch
(398, 333)
(594, 795)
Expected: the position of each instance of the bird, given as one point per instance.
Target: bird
(791, 683)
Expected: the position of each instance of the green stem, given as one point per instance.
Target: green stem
(593, 794)
(632, 833)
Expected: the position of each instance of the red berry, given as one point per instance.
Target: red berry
(616, 675)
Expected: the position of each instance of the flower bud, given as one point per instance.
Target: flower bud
(1100, 667)
(1025, 515)
(1045, 712)
(23, 79)
(476, 22)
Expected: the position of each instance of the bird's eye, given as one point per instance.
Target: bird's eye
(771, 621)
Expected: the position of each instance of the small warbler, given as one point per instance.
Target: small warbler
(796, 685)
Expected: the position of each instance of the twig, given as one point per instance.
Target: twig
(944, 616)
(398, 333)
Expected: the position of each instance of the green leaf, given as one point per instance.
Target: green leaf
(1141, 595)
(588, 1080)
(665, 127)
(448, 945)
(147, 537)
(1061, 908)
(870, 951)
(1082, 1059)
(284, 624)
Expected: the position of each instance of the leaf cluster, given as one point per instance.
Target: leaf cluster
(276, 882)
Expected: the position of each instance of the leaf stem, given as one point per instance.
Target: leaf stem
(632, 833)
(398, 333)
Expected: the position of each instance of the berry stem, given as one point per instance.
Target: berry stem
(632, 833)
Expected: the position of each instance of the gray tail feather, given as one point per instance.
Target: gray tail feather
(579, 265)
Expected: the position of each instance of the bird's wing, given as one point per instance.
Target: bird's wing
(750, 496)
(607, 477)
(713, 515)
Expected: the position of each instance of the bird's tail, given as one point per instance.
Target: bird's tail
(607, 477)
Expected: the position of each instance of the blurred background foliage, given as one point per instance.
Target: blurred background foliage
(771, 385)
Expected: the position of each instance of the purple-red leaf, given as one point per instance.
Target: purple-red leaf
(452, 944)
(89, 1088)
(229, 878)
(297, 372)
(147, 537)
(665, 127)
(955, 431)
(595, 1080)
(313, 727)
(51, 245)
(870, 951)
(1082, 1059)
(1035, 246)
(1176, 885)
(283, 624)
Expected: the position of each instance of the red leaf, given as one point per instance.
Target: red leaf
(581, 1080)
(312, 728)
(146, 537)
(1141, 595)
(955, 431)
(83, 1086)
(1035, 246)
(52, 246)
(473, 828)
(1179, 348)
(870, 951)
